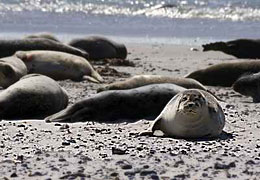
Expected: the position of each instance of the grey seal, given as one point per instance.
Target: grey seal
(45, 35)
(33, 96)
(9, 47)
(240, 48)
(191, 113)
(59, 65)
(100, 47)
(248, 85)
(224, 74)
(119, 105)
(142, 80)
(11, 70)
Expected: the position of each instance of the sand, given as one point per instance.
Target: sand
(36, 150)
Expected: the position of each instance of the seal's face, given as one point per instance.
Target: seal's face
(191, 103)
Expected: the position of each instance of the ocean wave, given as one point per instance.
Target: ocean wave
(186, 9)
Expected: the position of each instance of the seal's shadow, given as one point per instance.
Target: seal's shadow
(223, 136)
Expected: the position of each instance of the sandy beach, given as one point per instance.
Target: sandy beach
(36, 150)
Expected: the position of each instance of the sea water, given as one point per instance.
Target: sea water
(167, 21)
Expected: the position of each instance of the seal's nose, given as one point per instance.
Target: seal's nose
(190, 105)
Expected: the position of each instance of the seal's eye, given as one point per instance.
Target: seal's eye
(184, 98)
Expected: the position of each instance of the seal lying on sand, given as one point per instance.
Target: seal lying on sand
(58, 65)
(225, 74)
(100, 47)
(190, 114)
(43, 35)
(9, 47)
(240, 48)
(11, 70)
(249, 85)
(33, 96)
(142, 80)
(120, 105)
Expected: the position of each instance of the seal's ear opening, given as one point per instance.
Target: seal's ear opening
(7, 71)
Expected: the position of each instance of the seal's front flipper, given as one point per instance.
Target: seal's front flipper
(150, 131)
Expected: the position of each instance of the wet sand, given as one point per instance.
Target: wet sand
(36, 150)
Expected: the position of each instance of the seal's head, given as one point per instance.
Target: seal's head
(191, 103)
(6, 75)
(248, 85)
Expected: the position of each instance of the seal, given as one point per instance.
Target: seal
(191, 114)
(224, 74)
(100, 47)
(240, 48)
(33, 96)
(11, 70)
(248, 85)
(119, 105)
(59, 65)
(9, 47)
(142, 80)
(45, 35)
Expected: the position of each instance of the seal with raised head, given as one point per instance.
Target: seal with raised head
(33, 96)
(9, 47)
(248, 85)
(225, 74)
(119, 105)
(142, 80)
(59, 65)
(100, 47)
(240, 48)
(45, 35)
(192, 113)
(11, 70)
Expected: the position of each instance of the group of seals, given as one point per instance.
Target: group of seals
(240, 48)
(58, 65)
(33, 96)
(11, 70)
(191, 113)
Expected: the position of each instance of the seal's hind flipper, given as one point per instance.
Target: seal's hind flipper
(62, 116)
(91, 79)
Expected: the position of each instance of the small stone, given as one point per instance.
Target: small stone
(14, 175)
(118, 151)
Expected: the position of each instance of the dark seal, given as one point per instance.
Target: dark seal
(249, 85)
(225, 74)
(120, 105)
(240, 48)
(100, 47)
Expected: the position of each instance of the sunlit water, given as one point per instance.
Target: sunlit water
(169, 21)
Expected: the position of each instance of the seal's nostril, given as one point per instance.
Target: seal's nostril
(190, 105)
